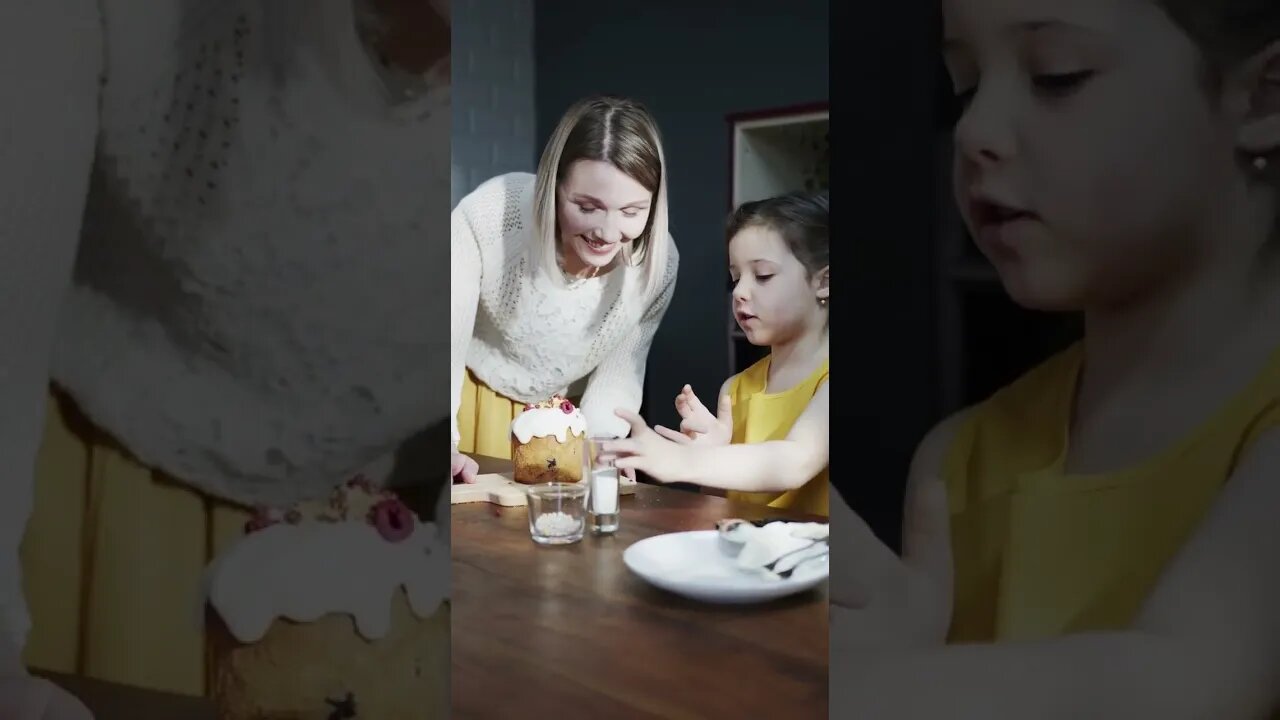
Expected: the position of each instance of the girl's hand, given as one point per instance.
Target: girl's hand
(647, 451)
(697, 424)
(880, 601)
(462, 467)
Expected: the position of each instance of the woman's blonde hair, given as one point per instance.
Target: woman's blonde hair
(621, 132)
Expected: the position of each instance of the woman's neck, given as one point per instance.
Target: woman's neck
(575, 268)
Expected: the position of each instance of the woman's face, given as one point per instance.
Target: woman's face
(1089, 160)
(599, 209)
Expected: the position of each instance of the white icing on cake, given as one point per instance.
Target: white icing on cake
(545, 422)
(305, 571)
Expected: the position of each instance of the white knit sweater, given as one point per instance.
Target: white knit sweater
(528, 338)
(260, 246)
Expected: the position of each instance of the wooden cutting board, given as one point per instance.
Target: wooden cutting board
(500, 489)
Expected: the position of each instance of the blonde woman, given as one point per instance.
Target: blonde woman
(204, 204)
(561, 278)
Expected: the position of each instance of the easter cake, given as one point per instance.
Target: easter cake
(331, 609)
(547, 442)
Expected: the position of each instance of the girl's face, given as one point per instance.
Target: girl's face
(599, 208)
(1090, 163)
(775, 299)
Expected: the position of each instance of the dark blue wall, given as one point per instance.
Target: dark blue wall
(692, 65)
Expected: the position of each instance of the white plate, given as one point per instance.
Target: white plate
(696, 564)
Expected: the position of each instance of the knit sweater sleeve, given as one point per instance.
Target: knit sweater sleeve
(47, 135)
(618, 381)
(464, 298)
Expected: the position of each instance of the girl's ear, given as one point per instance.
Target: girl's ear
(1259, 133)
(822, 284)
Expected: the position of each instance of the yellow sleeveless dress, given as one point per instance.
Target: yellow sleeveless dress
(1040, 553)
(760, 417)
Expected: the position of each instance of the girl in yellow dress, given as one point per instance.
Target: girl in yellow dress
(560, 279)
(1098, 539)
(767, 443)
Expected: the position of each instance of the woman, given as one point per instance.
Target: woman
(213, 309)
(559, 278)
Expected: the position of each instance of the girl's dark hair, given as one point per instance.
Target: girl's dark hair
(801, 218)
(1227, 31)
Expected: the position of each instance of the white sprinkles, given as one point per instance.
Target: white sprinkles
(557, 524)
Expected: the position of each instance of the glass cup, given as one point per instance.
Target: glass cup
(557, 513)
(604, 488)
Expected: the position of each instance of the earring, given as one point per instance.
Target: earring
(822, 302)
(1260, 163)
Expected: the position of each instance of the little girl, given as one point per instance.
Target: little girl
(1098, 538)
(768, 441)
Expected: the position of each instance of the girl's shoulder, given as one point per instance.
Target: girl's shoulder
(1019, 424)
(755, 378)
(1036, 395)
(751, 380)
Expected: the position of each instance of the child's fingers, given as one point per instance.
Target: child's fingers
(631, 462)
(672, 435)
(638, 426)
(682, 406)
(695, 425)
(926, 538)
(724, 410)
(618, 448)
(696, 405)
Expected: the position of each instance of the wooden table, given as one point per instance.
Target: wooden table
(570, 632)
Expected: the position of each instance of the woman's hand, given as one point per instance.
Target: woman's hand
(883, 602)
(697, 424)
(647, 451)
(462, 467)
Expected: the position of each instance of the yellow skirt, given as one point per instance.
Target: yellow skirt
(484, 419)
(112, 560)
